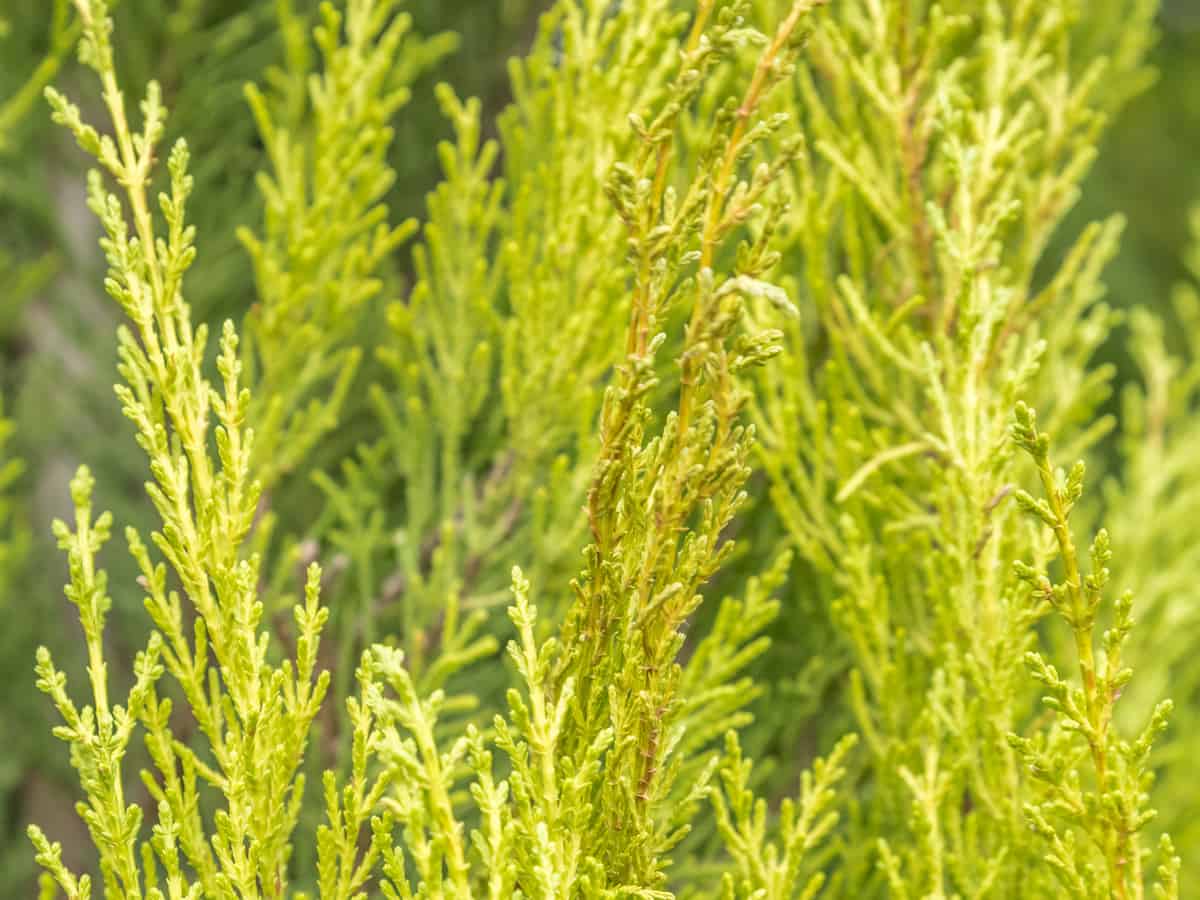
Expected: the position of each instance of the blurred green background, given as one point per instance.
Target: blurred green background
(57, 357)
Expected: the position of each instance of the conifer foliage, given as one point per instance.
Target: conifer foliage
(749, 296)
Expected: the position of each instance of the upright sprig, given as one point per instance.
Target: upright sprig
(440, 353)
(1107, 806)
(252, 714)
(346, 861)
(99, 733)
(324, 262)
(610, 762)
(766, 869)
(1150, 502)
(500, 352)
(947, 143)
(658, 503)
(326, 239)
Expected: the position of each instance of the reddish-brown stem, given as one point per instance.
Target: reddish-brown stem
(716, 200)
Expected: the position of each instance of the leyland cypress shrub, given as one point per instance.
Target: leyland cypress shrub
(740, 299)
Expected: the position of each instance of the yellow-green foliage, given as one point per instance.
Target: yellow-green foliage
(1151, 505)
(253, 713)
(752, 280)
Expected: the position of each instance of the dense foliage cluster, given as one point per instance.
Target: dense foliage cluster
(713, 361)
